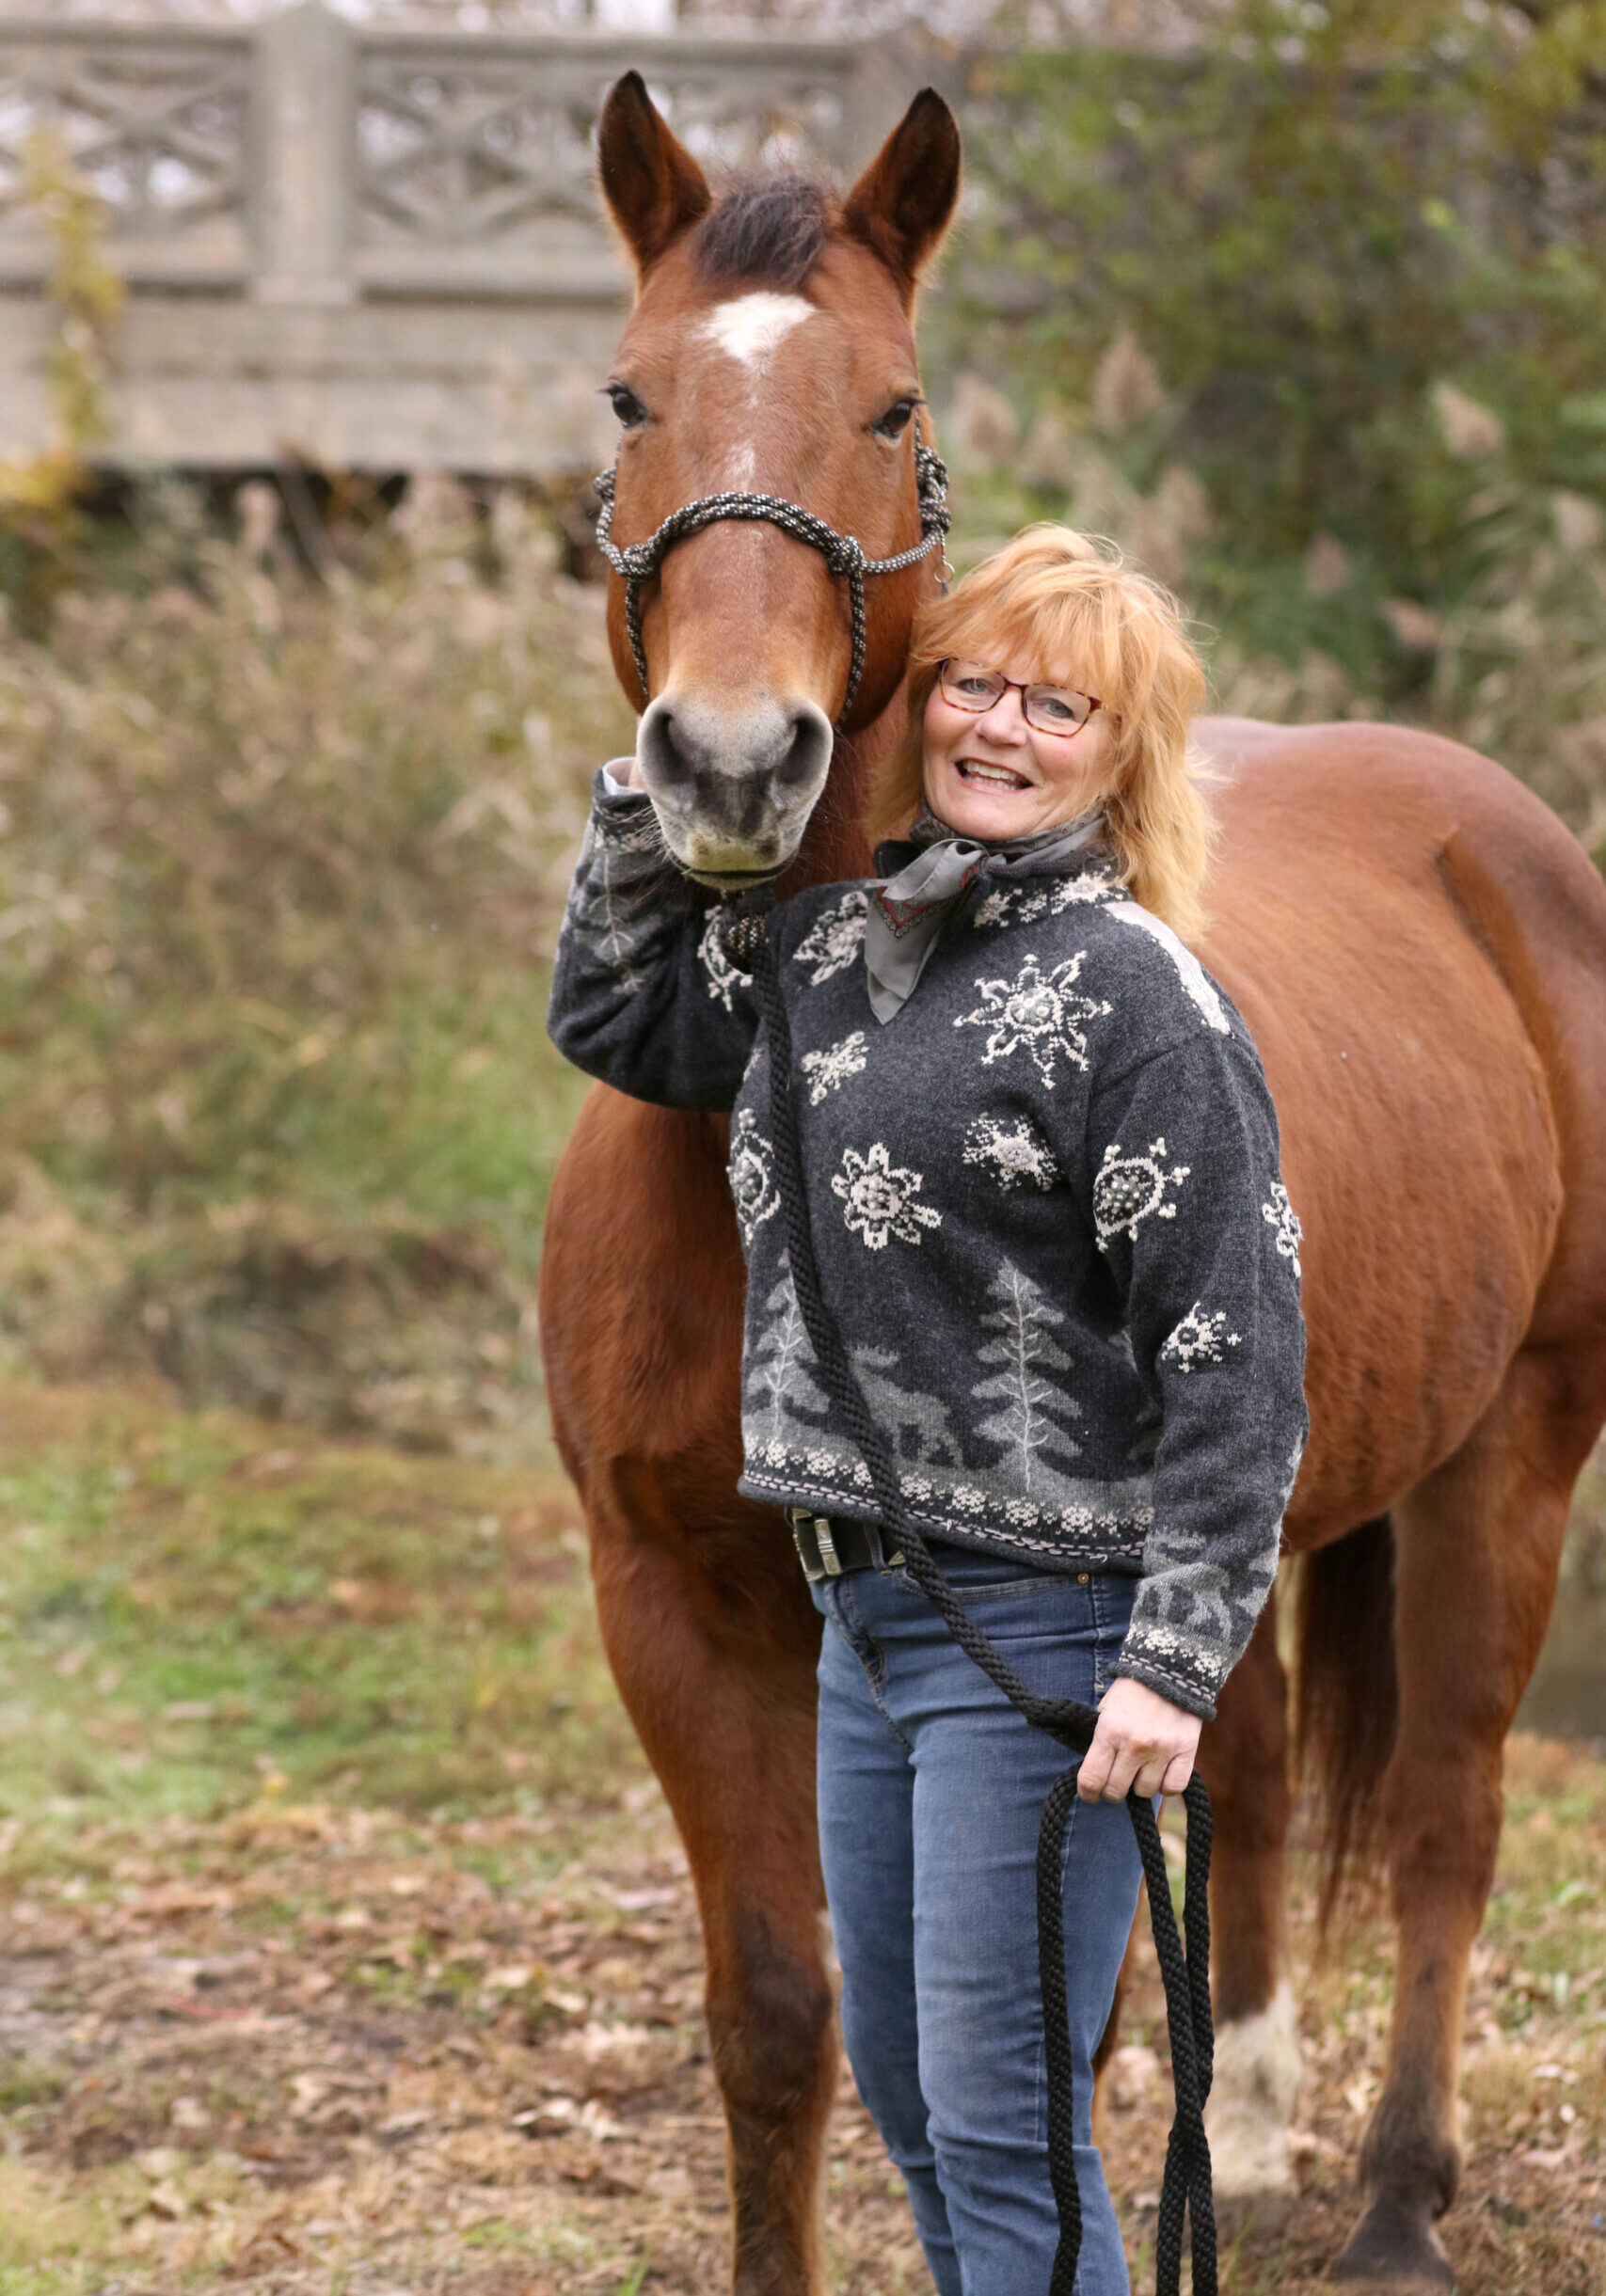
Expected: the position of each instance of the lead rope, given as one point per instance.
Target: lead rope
(1185, 2183)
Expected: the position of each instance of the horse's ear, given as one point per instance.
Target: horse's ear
(903, 204)
(653, 186)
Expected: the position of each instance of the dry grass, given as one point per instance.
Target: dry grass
(348, 1945)
(279, 872)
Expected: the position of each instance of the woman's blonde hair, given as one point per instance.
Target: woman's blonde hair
(1061, 601)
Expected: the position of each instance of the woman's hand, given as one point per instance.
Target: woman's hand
(1142, 1740)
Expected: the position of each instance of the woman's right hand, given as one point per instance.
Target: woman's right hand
(1143, 1741)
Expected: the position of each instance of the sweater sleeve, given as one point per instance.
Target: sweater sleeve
(1193, 1222)
(644, 995)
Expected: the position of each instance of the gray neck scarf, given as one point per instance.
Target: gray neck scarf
(908, 911)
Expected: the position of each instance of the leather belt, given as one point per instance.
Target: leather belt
(830, 1545)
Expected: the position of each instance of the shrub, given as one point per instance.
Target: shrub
(1338, 270)
(279, 872)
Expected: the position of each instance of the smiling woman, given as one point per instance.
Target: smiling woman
(1029, 1180)
(1056, 609)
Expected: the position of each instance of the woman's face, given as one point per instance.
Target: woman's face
(990, 774)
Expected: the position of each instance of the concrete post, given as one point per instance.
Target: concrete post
(303, 131)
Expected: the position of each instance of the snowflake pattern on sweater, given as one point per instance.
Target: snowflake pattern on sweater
(878, 1198)
(1042, 1014)
(833, 940)
(1201, 1337)
(1011, 1151)
(828, 1071)
(1048, 1214)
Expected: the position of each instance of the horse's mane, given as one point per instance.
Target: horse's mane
(768, 227)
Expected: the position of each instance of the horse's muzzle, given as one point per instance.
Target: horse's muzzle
(733, 794)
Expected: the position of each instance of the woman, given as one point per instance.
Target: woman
(1043, 1174)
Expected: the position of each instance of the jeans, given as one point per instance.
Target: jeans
(930, 1792)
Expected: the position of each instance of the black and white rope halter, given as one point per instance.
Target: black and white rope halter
(638, 562)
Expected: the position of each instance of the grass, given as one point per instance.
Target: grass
(349, 1944)
(194, 1615)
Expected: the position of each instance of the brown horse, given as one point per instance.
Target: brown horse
(1420, 950)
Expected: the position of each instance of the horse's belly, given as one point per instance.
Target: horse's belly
(1417, 1144)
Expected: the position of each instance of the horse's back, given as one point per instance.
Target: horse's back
(1419, 947)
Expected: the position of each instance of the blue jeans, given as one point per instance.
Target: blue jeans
(930, 1792)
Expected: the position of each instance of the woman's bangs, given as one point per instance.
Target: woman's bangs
(1060, 637)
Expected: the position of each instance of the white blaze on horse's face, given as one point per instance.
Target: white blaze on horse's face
(733, 781)
(752, 329)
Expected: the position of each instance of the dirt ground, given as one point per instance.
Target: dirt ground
(347, 1948)
(307, 2050)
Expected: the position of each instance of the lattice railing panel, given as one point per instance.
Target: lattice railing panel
(485, 150)
(157, 129)
(780, 118)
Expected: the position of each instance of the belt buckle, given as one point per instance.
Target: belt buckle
(827, 1545)
(798, 1516)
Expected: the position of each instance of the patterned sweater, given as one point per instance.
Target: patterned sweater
(1046, 1209)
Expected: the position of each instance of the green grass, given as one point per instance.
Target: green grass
(194, 1615)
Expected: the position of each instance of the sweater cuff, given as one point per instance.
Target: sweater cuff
(611, 781)
(1176, 1669)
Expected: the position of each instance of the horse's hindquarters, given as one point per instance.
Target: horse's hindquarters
(1420, 950)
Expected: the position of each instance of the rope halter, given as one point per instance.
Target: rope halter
(844, 554)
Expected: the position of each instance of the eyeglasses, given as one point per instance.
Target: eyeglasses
(1047, 709)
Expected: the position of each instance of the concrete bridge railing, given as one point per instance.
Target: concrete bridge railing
(364, 247)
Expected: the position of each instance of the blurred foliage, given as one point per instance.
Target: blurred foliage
(39, 522)
(281, 865)
(1308, 310)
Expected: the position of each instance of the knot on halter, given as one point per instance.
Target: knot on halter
(931, 487)
(844, 554)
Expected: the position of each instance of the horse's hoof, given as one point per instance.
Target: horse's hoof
(1248, 2116)
(1395, 2246)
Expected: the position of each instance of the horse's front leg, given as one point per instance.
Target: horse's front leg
(713, 1643)
(1243, 1757)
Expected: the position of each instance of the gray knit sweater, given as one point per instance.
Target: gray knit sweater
(1046, 1210)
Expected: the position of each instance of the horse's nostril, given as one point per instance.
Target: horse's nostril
(807, 752)
(666, 766)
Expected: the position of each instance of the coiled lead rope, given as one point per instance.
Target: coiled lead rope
(1185, 2185)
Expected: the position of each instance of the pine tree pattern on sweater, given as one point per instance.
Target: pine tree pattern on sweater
(1046, 1207)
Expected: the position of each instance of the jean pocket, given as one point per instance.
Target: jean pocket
(970, 1571)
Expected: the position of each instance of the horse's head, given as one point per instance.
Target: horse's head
(772, 351)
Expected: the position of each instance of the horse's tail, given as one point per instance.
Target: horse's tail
(1347, 1703)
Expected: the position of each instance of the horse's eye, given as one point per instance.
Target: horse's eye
(895, 421)
(628, 408)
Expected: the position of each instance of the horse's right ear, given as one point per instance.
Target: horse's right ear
(653, 186)
(904, 201)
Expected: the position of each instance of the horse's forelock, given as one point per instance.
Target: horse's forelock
(764, 226)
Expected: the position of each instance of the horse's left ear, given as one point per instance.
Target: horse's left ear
(903, 202)
(653, 186)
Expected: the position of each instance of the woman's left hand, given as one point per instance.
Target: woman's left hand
(1142, 1740)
